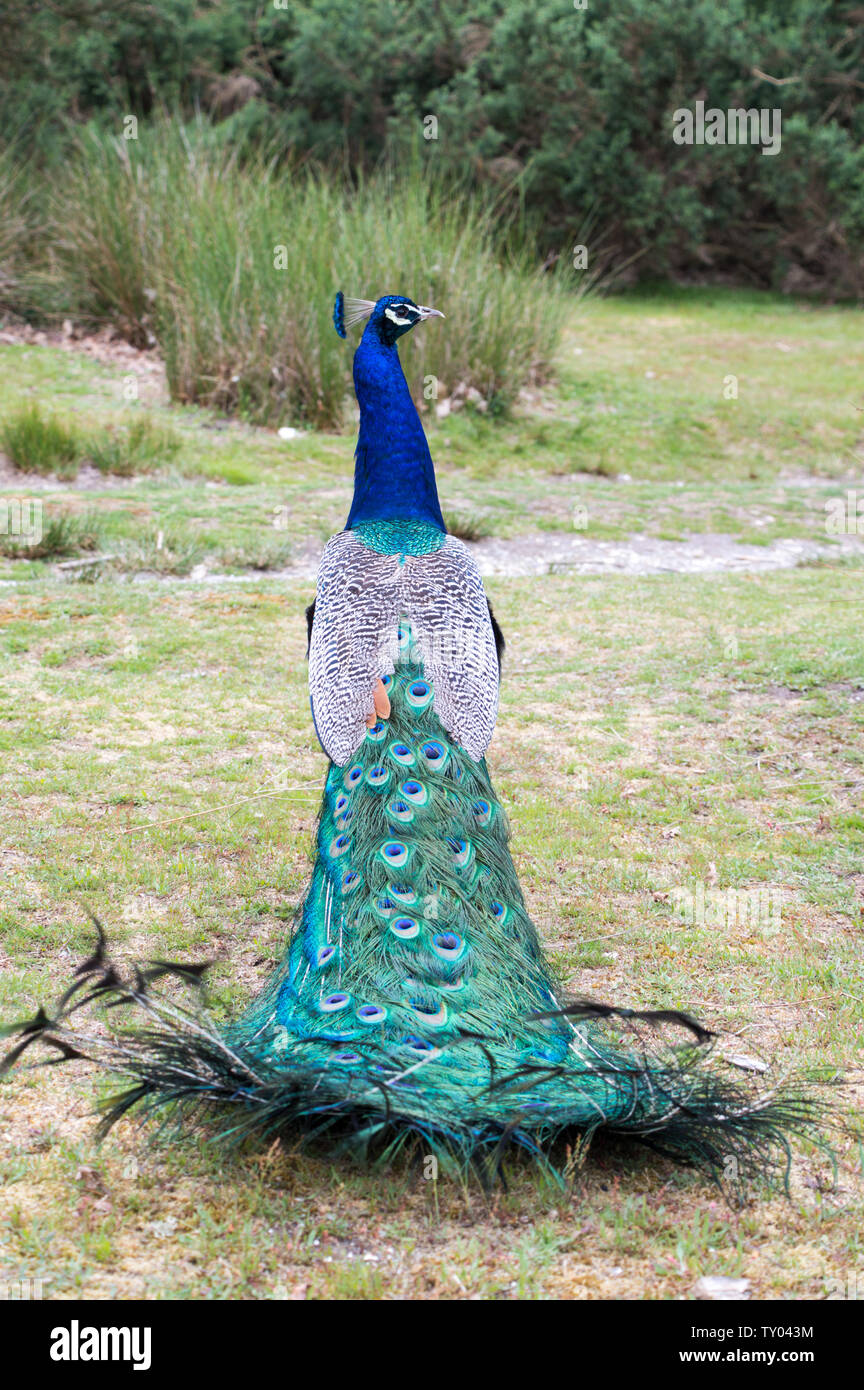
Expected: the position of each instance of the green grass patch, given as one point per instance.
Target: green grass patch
(678, 732)
(638, 753)
(65, 535)
(37, 442)
(141, 446)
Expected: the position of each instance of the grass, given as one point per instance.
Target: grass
(606, 449)
(172, 240)
(65, 535)
(35, 442)
(39, 443)
(659, 736)
(139, 446)
(15, 222)
(467, 527)
(133, 716)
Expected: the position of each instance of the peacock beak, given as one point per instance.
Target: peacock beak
(429, 313)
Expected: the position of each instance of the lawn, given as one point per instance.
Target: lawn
(662, 740)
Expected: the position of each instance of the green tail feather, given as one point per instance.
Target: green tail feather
(414, 997)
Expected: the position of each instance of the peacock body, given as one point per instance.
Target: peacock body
(415, 988)
(414, 998)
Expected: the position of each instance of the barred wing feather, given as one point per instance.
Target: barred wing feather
(361, 597)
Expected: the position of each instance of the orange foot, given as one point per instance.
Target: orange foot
(382, 705)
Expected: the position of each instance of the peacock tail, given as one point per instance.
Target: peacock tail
(416, 989)
(414, 1001)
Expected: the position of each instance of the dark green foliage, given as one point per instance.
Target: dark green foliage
(571, 109)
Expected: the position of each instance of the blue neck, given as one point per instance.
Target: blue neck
(394, 477)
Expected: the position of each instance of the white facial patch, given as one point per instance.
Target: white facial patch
(391, 314)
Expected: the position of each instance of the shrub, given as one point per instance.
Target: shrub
(573, 106)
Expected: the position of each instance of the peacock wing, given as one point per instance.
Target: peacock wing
(444, 600)
(361, 597)
(353, 640)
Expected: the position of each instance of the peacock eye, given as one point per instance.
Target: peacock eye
(403, 315)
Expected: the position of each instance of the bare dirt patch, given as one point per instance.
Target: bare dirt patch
(551, 553)
(103, 346)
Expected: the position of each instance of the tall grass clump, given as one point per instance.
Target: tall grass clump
(141, 446)
(103, 221)
(62, 535)
(16, 226)
(38, 443)
(232, 267)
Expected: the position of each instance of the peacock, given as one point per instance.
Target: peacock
(413, 1005)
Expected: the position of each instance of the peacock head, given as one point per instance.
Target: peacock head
(389, 317)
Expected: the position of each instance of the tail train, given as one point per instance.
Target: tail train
(414, 1000)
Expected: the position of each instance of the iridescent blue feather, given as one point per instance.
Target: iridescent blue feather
(339, 314)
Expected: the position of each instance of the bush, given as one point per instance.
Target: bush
(574, 107)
